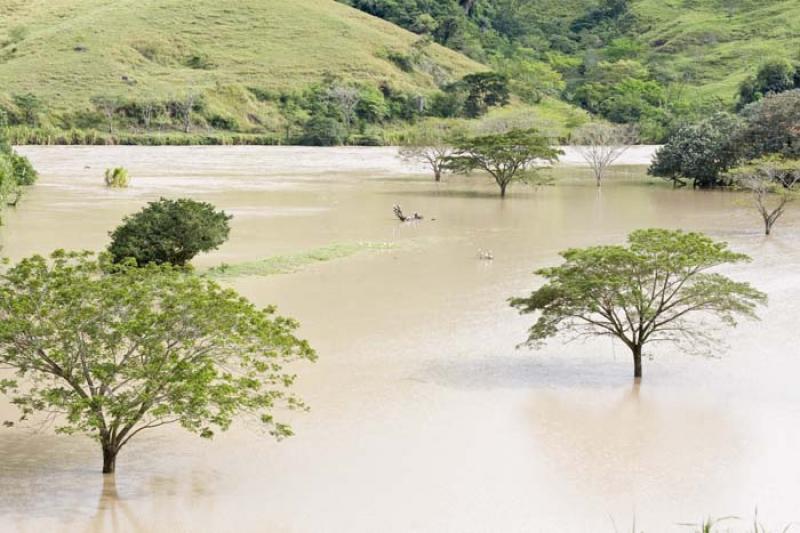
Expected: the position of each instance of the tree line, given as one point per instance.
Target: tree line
(330, 112)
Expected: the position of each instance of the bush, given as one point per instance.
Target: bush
(700, 152)
(324, 131)
(772, 77)
(222, 122)
(169, 231)
(771, 126)
(117, 178)
(403, 61)
(19, 170)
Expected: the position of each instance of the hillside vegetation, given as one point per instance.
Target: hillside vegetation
(242, 56)
(656, 63)
(715, 44)
(360, 71)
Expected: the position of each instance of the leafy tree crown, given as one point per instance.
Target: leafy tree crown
(110, 350)
(658, 287)
(169, 231)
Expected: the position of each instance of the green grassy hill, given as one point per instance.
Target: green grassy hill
(717, 43)
(67, 51)
(73, 48)
(656, 63)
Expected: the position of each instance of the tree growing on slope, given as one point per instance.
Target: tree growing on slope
(111, 350)
(657, 288)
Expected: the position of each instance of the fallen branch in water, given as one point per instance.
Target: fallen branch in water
(398, 212)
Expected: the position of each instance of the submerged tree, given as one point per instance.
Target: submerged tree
(773, 183)
(112, 350)
(169, 231)
(699, 152)
(507, 157)
(657, 288)
(430, 144)
(600, 145)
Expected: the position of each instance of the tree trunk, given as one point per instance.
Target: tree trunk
(503, 190)
(437, 172)
(637, 362)
(109, 459)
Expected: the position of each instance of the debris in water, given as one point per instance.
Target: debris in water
(398, 212)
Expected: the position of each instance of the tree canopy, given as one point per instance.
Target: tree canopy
(657, 288)
(699, 152)
(507, 157)
(774, 76)
(110, 350)
(771, 126)
(169, 231)
(16, 172)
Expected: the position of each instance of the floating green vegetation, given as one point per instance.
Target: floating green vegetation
(286, 264)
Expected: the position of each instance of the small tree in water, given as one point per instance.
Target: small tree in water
(773, 182)
(117, 178)
(600, 145)
(169, 231)
(430, 144)
(112, 350)
(657, 288)
(507, 157)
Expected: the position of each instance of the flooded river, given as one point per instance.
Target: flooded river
(424, 415)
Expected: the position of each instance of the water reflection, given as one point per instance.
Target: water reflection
(113, 513)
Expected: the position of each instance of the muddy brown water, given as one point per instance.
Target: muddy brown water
(424, 415)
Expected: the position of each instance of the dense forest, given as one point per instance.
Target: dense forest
(594, 53)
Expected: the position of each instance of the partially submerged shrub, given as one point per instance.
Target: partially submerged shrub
(117, 178)
(169, 231)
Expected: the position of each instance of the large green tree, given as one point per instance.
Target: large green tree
(507, 157)
(700, 152)
(169, 231)
(111, 350)
(771, 126)
(657, 288)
